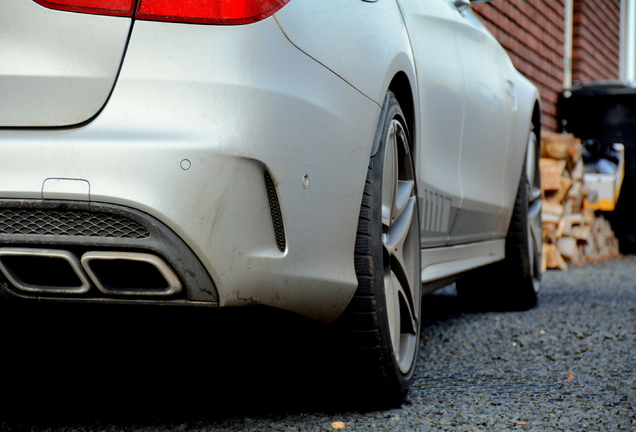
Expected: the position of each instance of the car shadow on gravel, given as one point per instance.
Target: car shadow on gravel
(84, 362)
(87, 362)
(445, 304)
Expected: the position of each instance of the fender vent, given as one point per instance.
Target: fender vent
(277, 217)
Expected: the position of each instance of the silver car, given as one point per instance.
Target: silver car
(333, 158)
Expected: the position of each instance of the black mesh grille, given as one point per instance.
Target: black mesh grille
(277, 217)
(69, 223)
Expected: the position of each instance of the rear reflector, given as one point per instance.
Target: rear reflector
(209, 11)
(188, 11)
(101, 7)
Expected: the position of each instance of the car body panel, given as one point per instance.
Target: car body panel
(199, 115)
(432, 28)
(374, 31)
(497, 140)
(489, 110)
(443, 262)
(56, 68)
(171, 105)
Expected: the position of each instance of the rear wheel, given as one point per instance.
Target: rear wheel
(383, 320)
(514, 283)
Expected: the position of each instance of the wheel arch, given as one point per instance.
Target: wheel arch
(401, 87)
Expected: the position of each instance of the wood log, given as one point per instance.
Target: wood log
(569, 249)
(576, 196)
(575, 219)
(575, 190)
(578, 170)
(550, 230)
(581, 233)
(550, 174)
(574, 149)
(554, 260)
(589, 216)
(591, 251)
(555, 146)
(568, 208)
(561, 227)
(550, 209)
(564, 188)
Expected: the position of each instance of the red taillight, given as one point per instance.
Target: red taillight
(101, 7)
(191, 11)
(209, 11)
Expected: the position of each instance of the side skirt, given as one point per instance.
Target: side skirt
(445, 262)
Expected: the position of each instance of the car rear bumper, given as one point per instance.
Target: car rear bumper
(199, 119)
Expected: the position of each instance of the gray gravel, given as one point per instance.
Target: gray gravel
(569, 364)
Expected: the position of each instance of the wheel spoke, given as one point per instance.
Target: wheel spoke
(403, 321)
(534, 222)
(389, 178)
(408, 317)
(404, 193)
(391, 287)
(535, 194)
(535, 227)
(396, 239)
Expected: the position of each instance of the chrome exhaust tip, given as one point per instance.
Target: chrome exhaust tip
(130, 273)
(43, 271)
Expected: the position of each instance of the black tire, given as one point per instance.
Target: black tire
(382, 322)
(514, 283)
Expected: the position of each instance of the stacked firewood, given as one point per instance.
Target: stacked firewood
(571, 233)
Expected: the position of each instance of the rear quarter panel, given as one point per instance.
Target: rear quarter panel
(365, 43)
(528, 98)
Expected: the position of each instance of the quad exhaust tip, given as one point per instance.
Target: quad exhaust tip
(56, 271)
(43, 270)
(130, 273)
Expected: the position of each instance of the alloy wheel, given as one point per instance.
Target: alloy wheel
(401, 246)
(534, 211)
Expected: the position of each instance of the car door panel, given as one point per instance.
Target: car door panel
(432, 30)
(490, 103)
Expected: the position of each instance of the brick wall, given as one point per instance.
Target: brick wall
(596, 44)
(532, 32)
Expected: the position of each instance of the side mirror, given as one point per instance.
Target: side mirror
(461, 5)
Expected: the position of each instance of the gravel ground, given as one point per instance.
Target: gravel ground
(567, 365)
